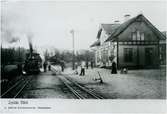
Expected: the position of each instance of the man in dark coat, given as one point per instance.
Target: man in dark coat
(45, 66)
(62, 66)
(49, 66)
(91, 64)
(114, 68)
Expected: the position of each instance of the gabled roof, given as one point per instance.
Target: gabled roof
(108, 28)
(126, 24)
(96, 43)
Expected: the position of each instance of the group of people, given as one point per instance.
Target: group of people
(45, 65)
(89, 64)
(84, 65)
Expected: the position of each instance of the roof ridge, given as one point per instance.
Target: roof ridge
(121, 28)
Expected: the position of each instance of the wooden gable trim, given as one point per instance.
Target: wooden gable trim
(153, 28)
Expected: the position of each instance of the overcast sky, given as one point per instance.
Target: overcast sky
(49, 23)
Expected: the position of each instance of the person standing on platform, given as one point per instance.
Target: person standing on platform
(82, 69)
(49, 66)
(45, 66)
(62, 66)
(114, 68)
(91, 64)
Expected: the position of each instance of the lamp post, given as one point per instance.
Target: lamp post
(73, 53)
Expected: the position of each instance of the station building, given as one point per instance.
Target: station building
(133, 44)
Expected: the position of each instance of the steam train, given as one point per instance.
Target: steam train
(31, 65)
(33, 61)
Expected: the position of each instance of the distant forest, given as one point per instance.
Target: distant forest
(18, 55)
(67, 56)
(12, 55)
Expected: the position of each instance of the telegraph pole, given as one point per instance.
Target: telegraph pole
(19, 52)
(73, 52)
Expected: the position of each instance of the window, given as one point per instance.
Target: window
(134, 36)
(142, 36)
(109, 43)
(128, 54)
(139, 36)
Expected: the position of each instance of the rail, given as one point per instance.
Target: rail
(77, 89)
(15, 90)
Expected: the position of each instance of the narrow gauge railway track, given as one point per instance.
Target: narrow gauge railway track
(15, 90)
(7, 84)
(97, 96)
(78, 90)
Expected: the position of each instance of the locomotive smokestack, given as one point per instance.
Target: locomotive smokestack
(30, 43)
(29, 36)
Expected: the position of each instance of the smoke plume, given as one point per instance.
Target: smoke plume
(30, 36)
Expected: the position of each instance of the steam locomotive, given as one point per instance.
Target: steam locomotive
(33, 62)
